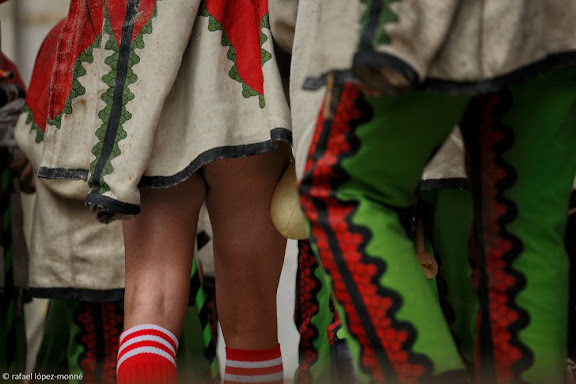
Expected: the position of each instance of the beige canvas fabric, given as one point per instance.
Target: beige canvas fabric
(71, 255)
(460, 41)
(70, 147)
(20, 257)
(78, 254)
(206, 114)
(447, 169)
(70, 251)
(305, 104)
(206, 253)
(187, 111)
(283, 15)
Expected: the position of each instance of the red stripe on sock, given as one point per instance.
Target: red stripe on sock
(153, 332)
(248, 355)
(245, 373)
(147, 366)
(146, 343)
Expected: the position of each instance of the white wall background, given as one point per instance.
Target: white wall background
(24, 24)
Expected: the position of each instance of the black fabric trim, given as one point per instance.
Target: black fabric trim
(367, 39)
(553, 61)
(308, 354)
(111, 204)
(558, 60)
(340, 78)
(118, 207)
(219, 153)
(365, 61)
(475, 125)
(80, 294)
(62, 173)
(460, 183)
(477, 246)
(118, 102)
(202, 238)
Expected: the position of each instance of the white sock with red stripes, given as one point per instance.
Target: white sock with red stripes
(263, 367)
(147, 355)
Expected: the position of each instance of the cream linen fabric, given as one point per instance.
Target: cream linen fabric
(187, 112)
(283, 15)
(462, 41)
(448, 163)
(70, 147)
(71, 254)
(305, 104)
(70, 250)
(206, 253)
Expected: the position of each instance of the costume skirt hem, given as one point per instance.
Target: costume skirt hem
(459, 183)
(450, 87)
(108, 209)
(93, 295)
(218, 153)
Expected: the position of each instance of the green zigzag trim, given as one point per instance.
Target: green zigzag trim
(108, 97)
(77, 89)
(214, 25)
(381, 37)
(34, 128)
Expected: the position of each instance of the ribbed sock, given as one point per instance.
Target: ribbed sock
(147, 355)
(263, 366)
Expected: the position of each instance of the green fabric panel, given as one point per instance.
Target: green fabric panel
(452, 222)
(395, 146)
(544, 122)
(192, 363)
(321, 370)
(53, 353)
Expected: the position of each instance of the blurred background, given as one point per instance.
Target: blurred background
(24, 24)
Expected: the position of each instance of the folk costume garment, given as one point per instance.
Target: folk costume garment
(366, 160)
(71, 255)
(146, 92)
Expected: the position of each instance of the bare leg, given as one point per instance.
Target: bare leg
(249, 252)
(159, 246)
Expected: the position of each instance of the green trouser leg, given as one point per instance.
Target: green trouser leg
(570, 240)
(452, 223)
(312, 317)
(53, 354)
(12, 334)
(323, 353)
(521, 145)
(197, 359)
(81, 339)
(194, 366)
(364, 168)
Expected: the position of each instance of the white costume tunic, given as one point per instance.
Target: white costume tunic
(450, 46)
(146, 92)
